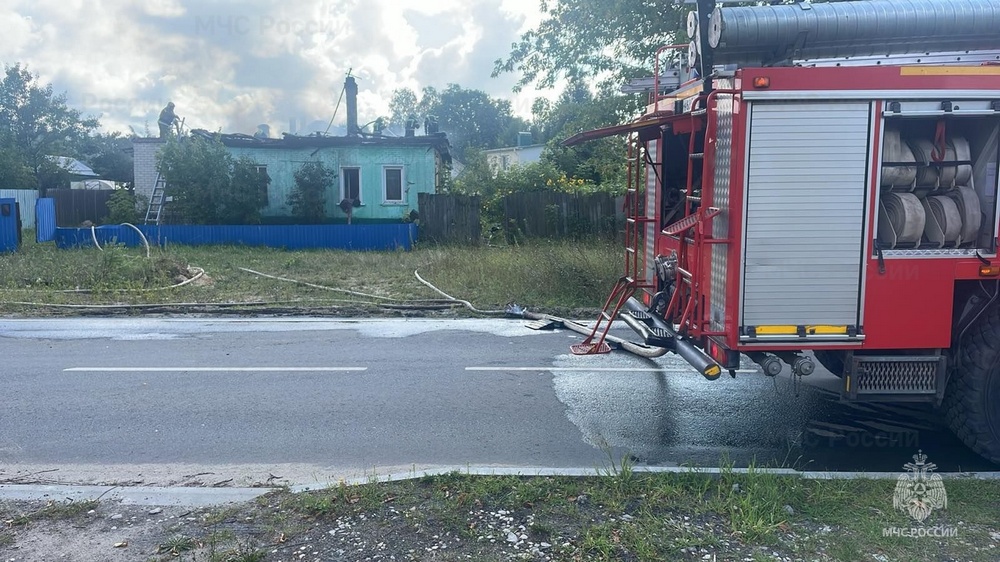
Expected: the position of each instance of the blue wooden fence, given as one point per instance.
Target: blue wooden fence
(363, 237)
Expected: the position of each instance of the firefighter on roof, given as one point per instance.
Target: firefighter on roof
(168, 120)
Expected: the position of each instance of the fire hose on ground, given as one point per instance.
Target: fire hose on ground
(515, 310)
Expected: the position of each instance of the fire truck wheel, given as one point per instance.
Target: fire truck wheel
(972, 399)
(831, 360)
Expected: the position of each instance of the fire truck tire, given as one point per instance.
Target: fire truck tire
(972, 399)
(831, 360)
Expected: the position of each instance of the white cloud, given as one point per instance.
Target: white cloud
(231, 65)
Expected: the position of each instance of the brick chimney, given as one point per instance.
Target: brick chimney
(351, 87)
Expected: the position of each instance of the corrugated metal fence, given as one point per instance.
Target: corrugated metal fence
(542, 214)
(26, 201)
(291, 237)
(75, 206)
(449, 218)
(45, 220)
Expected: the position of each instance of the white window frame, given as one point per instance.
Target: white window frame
(343, 188)
(402, 185)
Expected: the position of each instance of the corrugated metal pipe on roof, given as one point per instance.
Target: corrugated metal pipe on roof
(769, 34)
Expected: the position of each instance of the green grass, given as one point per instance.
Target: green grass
(543, 275)
(53, 511)
(623, 514)
(628, 515)
(177, 544)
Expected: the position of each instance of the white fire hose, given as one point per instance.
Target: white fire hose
(905, 217)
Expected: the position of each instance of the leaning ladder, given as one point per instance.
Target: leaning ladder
(636, 219)
(154, 213)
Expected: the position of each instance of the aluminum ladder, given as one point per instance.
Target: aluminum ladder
(635, 237)
(154, 213)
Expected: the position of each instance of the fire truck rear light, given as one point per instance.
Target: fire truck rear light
(761, 82)
(989, 270)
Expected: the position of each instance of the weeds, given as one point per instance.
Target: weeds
(245, 553)
(623, 514)
(54, 511)
(550, 275)
(177, 544)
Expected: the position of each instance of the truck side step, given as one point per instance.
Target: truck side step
(908, 378)
(657, 333)
(640, 315)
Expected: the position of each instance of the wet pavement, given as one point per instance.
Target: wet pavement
(670, 418)
(359, 394)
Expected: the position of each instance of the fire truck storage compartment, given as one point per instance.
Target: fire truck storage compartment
(808, 164)
(939, 179)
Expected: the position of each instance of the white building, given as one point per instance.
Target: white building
(503, 159)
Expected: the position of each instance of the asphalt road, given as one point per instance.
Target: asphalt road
(188, 400)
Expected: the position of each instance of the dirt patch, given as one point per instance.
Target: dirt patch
(113, 533)
(453, 517)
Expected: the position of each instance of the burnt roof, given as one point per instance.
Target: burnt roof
(438, 141)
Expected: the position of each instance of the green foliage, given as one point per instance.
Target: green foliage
(585, 38)
(493, 185)
(36, 122)
(122, 207)
(106, 154)
(602, 161)
(308, 199)
(51, 176)
(471, 118)
(14, 173)
(248, 194)
(402, 104)
(209, 185)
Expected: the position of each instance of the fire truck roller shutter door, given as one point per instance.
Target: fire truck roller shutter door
(804, 213)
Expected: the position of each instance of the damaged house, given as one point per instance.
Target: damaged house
(378, 176)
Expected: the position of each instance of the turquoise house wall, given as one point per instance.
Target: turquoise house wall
(419, 164)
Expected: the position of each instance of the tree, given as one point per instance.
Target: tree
(471, 118)
(493, 185)
(51, 175)
(106, 154)
(601, 161)
(587, 38)
(308, 199)
(123, 207)
(209, 185)
(35, 122)
(402, 104)
(430, 101)
(14, 173)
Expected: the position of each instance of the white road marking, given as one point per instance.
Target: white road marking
(211, 369)
(601, 369)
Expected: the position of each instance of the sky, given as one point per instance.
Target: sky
(230, 65)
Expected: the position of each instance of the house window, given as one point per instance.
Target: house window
(392, 183)
(350, 183)
(262, 172)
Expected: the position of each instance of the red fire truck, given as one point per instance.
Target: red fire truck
(820, 183)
